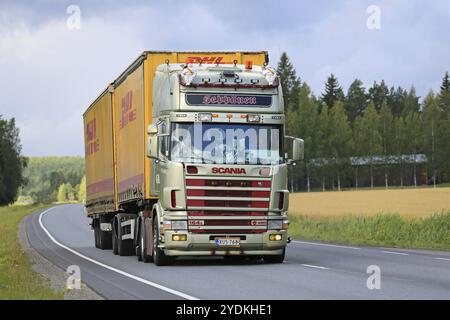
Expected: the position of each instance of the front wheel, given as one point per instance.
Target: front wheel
(142, 247)
(159, 257)
(279, 258)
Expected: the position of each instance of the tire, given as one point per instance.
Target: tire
(115, 247)
(124, 247)
(104, 237)
(275, 258)
(96, 234)
(141, 248)
(159, 257)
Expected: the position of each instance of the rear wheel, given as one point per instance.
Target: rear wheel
(124, 246)
(159, 257)
(104, 237)
(275, 258)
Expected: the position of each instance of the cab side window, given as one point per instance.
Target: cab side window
(163, 138)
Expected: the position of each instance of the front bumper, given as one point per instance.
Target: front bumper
(204, 244)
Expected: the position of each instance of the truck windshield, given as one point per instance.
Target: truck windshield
(226, 143)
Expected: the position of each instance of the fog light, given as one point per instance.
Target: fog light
(179, 237)
(275, 237)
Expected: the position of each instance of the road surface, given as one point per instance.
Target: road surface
(312, 270)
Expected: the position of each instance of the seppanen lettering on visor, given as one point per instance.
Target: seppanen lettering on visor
(229, 100)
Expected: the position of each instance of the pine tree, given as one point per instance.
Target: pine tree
(411, 102)
(444, 95)
(333, 92)
(386, 133)
(340, 140)
(308, 122)
(378, 94)
(356, 100)
(324, 149)
(412, 138)
(396, 100)
(290, 83)
(358, 145)
(431, 122)
(371, 142)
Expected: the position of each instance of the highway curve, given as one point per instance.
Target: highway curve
(312, 270)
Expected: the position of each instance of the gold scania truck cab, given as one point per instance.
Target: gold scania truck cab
(219, 161)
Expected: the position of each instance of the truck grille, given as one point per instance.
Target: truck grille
(228, 205)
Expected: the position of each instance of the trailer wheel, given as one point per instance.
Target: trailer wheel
(159, 257)
(275, 258)
(142, 247)
(104, 237)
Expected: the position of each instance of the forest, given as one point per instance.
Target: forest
(53, 179)
(379, 136)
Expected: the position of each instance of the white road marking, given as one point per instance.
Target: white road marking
(446, 259)
(393, 252)
(126, 274)
(315, 267)
(325, 245)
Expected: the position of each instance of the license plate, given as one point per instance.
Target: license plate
(228, 242)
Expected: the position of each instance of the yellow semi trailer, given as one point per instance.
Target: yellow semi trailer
(184, 156)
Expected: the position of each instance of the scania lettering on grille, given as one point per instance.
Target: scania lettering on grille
(228, 170)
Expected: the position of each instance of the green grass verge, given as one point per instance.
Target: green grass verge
(17, 280)
(389, 230)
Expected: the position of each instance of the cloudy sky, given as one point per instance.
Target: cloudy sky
(49, 73)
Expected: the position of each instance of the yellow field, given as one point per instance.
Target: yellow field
(407, 202)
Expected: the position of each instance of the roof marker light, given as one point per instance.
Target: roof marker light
(205, 117)
(249, 65)
(253, 118)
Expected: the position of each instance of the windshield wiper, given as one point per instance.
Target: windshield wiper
(203, 160)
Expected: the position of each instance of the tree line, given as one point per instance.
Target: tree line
(54, 179)
(366, 137)
(12, 163)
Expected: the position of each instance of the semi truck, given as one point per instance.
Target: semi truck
(186, 155)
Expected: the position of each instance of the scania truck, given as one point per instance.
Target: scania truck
(186, 156)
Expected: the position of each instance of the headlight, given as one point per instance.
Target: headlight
(179, 224)
(275, 224)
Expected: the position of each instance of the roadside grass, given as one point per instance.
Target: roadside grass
(384, 230)
(17, 280)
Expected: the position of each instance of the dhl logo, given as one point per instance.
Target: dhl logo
(207, 60)
(92, 144)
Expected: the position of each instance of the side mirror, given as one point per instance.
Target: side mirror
(298, 149)
(152, 129)
(152, 142)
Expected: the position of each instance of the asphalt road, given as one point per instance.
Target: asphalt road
(312, 270)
